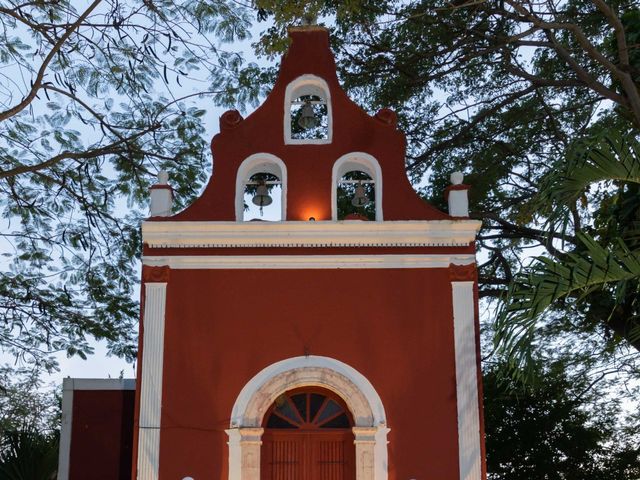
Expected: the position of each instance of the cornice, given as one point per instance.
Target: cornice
(432, 233)
(307, 262)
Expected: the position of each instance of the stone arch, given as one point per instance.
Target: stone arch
(261, 391)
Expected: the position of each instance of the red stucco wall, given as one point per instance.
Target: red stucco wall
(101, 435)
(394, 326)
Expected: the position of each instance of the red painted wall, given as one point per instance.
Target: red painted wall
(394, 326)
(101, 435)
(309, 167)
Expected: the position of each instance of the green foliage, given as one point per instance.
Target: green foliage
(25, 405)
(546, 281)
(512, 94)
(556, 427)
(607, 157)
(28, 455)
(598, 279)
(106, 101)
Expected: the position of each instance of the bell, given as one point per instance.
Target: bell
(360, 198)
(262, 198)
(307, 116)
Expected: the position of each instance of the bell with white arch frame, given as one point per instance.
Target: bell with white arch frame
(262, 198)
(307, 118)
(360, 198)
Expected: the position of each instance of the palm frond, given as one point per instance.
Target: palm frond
(546, 281)
(608, 157)
(28, 455)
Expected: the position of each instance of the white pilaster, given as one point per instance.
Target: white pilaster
(470, 456)
(64, 451)
(244, 453)
(371, 452)
(365, 441)
(151, 382)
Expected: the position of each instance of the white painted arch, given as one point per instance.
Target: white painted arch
(307, 85)
(260, 163)
(356, 161)
(370, 432)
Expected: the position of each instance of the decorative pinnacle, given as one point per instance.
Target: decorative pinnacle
(456, 178)
(163, 177)
(309, 19)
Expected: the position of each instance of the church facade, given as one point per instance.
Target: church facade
(339, 340)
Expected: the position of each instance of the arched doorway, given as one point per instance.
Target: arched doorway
(308, 436)
(310, 371)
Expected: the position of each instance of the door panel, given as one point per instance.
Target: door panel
(308, 437)
(282, 457)
(329, 459)
(307, 456)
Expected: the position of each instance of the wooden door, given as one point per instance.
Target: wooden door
(308, 437)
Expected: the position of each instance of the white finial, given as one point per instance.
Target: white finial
(161, 197)
(457, 178)
(309, 19)
(458, 198)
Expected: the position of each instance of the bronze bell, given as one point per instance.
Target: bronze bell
(360, 198)
(307, 118)
(262, 198)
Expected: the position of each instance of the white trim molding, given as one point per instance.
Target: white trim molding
(99, 384)
(370, 431)
(66, 424)
(260, 163)
(360, 162)
(151, 381)
(297, 262)
(307, 85)
(408, 233)
(469, 446)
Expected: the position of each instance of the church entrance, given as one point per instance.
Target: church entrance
(308, 436)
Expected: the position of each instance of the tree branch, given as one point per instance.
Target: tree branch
(115, 147)
(45, 64)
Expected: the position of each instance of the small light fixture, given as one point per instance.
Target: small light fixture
(360, 198)
(312, 219)
(307, 118)
(262, 198)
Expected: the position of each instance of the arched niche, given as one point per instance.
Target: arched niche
(260, 163)
(307, 86)
(264, 388)
(356, 162)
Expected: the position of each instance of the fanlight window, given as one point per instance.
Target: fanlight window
(307, 411)
(356, 197)
(263, 197)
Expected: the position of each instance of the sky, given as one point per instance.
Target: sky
(100, 364)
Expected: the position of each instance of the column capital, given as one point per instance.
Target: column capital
(245, 435)
(155, 274)
(365, 435)
(463, 273)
